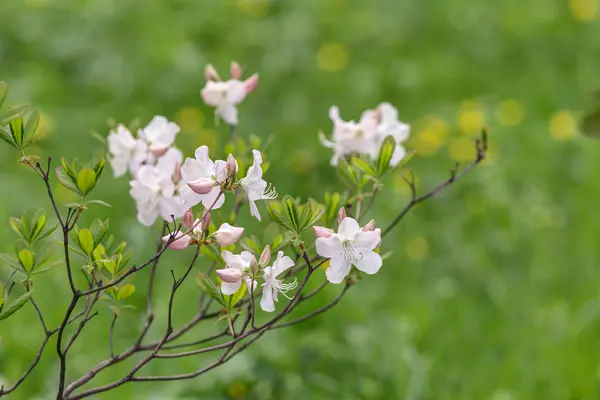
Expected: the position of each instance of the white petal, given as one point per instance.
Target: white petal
(147, 176)
(334, 114)
(147, 216)
(228, 113)
(167, 162)
(230, 288)
(236, 91)
(348, 228)
(210, 199)
(254, 210)
(329, 247)
(282, 264)
(246, 256)
(119, 165)
(399, 153)
(367, 240)
(189, 197)
(266, 302)
(193, 169)
(338, 269)
(370, 262)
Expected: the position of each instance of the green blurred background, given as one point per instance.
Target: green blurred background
(493, 288)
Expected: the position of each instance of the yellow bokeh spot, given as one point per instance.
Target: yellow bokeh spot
(206, 137)
(400, 185)
(462, 149)
(510, 113)
(254, 8)
(471, 117)
(417, 248)
(431, 137)
(562, 125)
(584, 10)
(302, 162)
(325, 265)
(237, 390)
(190, 120)
(332, 57)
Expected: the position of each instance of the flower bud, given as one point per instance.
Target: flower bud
(341, 214)
(229, 275)
(211, 73)
(265, 256)
(158, 151)
(205, 222)
(370, 226)
(188, 219)
(251, 83)
(202, 185)
(253, 266)
(322, 232)
(227, 235)
(180, 242)
(232, 165)
(236, 70)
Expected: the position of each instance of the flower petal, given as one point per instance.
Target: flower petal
(367, 240)
(211, 198)
(338, 269)
(254, 210)
(329, 247)
(348, 228)
(230, 288)
(370, 262)
(282, 264)
(266, 302)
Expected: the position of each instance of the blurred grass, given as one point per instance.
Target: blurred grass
(493, 289)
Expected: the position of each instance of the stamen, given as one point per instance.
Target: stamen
(286, 287)
(350, 253)
(270, 193)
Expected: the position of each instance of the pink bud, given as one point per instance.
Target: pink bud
(205, 222)
(236, 70)
(232, 165)
(180, 242)
(370, 226)
(323, 232)
(177, 172)
(265, 256)
(251, 83)
(341, 215)
(202, 185)
(227, 235)
(229, 275)
(188, 219)
(211, 73)
(157, 151)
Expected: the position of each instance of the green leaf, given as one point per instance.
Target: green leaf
(363, 166)
(16, 128)
(30, 128)
(3, 92)
(232, 300)
(37, 228)
(47, 267)
(15, 305)
(86, 241)
(26, 226)
(27, 259)
(211, 253)
(12, 113)
(86, 180)
(10, 261)
(15, 224)
(251, 244)
(99, 229)
(103, 203)
(290, 212)
(348, 173)
(47, 232)
(125, 291)
(275, 212)
(1, 291)
(590, 124)
(7, 137)
(98, 163)
(65, 180)
(385, 155)
(309, 215)
(332, 206)
(69, 169)
(207, 285)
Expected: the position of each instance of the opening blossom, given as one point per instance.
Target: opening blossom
(238, 266)
(255, 186)
(367, 135)
(159, 134)
(225, 96)
(196, 227)
(272, 285)
(227, 235)
(351, 245)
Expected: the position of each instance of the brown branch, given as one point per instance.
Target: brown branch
(110, 334)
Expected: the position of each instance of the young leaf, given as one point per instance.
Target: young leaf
(15, 224)
(10, 261)
(385, 155)
(1, 291)
(7, 137)
(15, 305)
(86, 180)
(275, 212)
(37, 228)
(65, 179)
(16, 128)
(99, 229)
(290, 212)
(47, 232)
(363, 166)
(86, 241)
(3, 92)
(233, 299)
(208, 286)
(30, 128)
(27, 259)
(102, 203)
(12, 113)
(310, 214)
(47, 267)
(125, 291)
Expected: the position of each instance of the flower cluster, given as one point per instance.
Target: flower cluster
(367, 135)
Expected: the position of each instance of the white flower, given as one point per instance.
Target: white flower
(351, 137)
(367, 136)
(160, 134)
(156, 195)
(126, 153)
(350, 246)
(238, 266)
(182, 241)
(224, 96)
(255, 186)
(227, 235)
(272, 285)
(203, 177)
